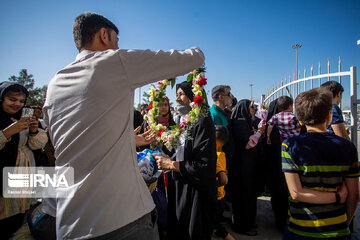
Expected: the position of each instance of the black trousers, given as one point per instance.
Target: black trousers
(220, 230)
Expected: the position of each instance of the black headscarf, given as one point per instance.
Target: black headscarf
(8, 154)
(273, 109)
(241, 111)
(187, 88)
(241, 123)
(138, 119)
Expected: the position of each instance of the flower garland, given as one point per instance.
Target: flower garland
(170, 137)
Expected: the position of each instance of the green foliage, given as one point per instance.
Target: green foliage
(190, 77)
(172, 81)
(36, 95)
(145, 99)
(200, 70)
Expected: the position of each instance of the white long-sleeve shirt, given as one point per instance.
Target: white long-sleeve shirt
(89, 112)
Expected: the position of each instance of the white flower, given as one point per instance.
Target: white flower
(158, 127)
(197, 110)
(166, 82)
(196, 87)
(198, 93)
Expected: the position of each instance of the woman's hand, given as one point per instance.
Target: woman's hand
(167, 164)
(34, 125)
(261, 130)
(16, 127)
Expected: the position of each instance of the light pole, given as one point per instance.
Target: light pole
(251, 85)
(296, 46)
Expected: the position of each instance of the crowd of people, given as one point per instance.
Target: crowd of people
(235, 151)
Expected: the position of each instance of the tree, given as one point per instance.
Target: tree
(36, 95)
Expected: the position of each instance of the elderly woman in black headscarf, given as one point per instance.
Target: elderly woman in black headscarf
(243, 171)
(192, 204)
(18, 135)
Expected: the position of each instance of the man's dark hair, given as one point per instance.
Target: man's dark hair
(284, 102)
(217, 90)
(313, 106)
(222, 133)
(87, 25)
(333, 86)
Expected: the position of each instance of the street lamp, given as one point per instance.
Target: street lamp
(296, 46)
(251, 85)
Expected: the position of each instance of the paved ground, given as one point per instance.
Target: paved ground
(265, 221)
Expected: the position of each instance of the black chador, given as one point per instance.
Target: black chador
(243, 172)
(193, 194)
(276, 183)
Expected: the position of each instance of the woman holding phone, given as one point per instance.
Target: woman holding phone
(18, 136)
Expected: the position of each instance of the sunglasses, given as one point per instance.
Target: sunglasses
(229, 94)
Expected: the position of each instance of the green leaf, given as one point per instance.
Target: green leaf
(174, 127)
(204, 96)
(172, 81)
(190, 77)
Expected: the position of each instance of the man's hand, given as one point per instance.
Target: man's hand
(167, 164)
(268, 140)
(143, 139)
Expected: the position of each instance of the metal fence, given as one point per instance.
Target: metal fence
(292, 88)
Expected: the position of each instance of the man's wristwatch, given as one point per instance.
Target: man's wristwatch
(337, 198)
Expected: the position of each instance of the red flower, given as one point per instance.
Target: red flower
(198, 100)
(150, 105)
(202, 81)
(160, 132)
(159, 85)
(181, 126)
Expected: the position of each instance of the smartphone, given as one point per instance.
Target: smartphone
(27, 112)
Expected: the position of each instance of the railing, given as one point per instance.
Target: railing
(293, 89)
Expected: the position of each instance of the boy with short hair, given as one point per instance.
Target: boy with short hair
(321, 171)
(285, 120)
(337, 125)
(222, 136)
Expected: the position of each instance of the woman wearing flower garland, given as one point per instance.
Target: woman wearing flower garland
(243, 169)
(159, 198)
(193, 201)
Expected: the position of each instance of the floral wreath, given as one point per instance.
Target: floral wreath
(170, 136)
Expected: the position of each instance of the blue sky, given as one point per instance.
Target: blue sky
(244, 41)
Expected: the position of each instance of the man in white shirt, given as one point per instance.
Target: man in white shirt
(89, 111)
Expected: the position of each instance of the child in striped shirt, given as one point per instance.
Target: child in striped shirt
(321, 171)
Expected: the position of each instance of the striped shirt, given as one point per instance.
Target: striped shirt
(322, 161)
